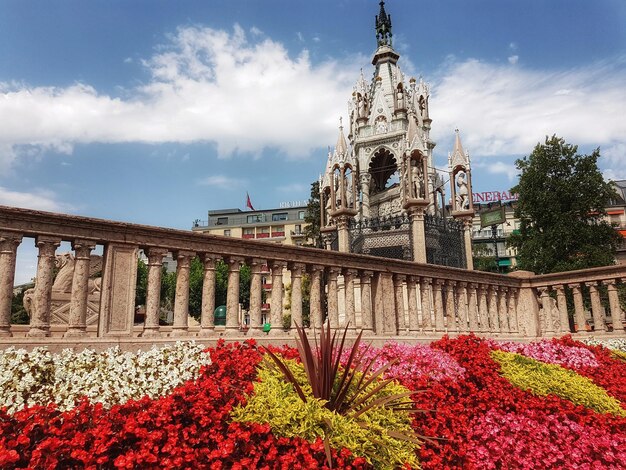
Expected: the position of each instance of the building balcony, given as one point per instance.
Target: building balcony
(262, 235)
(297, 234)
(265, 306)
(247, 236)
(278, 234)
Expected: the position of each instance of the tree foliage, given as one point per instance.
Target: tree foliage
(562, 200)
(312, 217)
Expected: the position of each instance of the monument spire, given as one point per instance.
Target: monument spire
(383, 27)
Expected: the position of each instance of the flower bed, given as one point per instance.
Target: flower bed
(471, 407)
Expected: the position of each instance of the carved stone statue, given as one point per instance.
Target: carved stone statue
(462, 193)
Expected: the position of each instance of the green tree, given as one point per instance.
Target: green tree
(18, 312)
(484, 259)
(562, 200)
(312, 217)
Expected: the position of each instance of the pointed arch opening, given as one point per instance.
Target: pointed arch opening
(384, 171)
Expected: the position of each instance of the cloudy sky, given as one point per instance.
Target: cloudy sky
(155, 111)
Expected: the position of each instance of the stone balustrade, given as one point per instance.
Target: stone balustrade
(383, 297)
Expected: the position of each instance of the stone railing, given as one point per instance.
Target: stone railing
(383, 297)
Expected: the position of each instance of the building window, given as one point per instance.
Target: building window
(279, 216)
(252, 219)
(301, 215)
(298, 229)
(227, 233)
(222, 221)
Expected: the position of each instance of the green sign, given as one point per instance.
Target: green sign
(493, 217)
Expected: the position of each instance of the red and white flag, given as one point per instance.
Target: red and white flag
(248, 202)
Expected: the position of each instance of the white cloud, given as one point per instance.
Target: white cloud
(504, 110)
(496, 168)
(39, 199)
(513, 59)
(221, 181)
(613, 159)
(206, 85)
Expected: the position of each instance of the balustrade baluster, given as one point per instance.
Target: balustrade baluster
(181, 300)
(276, 306)
(439, 323)
(366, 301)
(207, 316)
(296, 293)
(494, 324)
(153, 291)
(503, 311)
(9, 241)
(77, 325)
(561, 303)
(349, 316)
(579, 309)
(462, 306)
(411, 283)
(425, 283)
(333, 297)
(512, 306)
(599, 323)
(40, 320)
(451, 315)
(546, 312)
(473, 308)
(398, 282)
(614, 306)
(232, 295)
(315, 308)
(483, 309)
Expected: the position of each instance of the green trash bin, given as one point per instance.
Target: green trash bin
(267, 327)
(219, 317)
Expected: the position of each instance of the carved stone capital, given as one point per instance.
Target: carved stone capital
(82, 248)
(47, 245)
(9, 241)
(366, 277)
(233, 262)
(209, 260)
(350, 273)
(155, 256)
(297, 269)
(184, 257)
(333, 272)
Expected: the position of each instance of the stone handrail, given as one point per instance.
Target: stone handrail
(382, 297)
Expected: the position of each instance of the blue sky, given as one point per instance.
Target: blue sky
(157, 111)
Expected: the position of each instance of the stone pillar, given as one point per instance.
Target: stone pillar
(315, 309)
(616, 309)
(80, 288)
(276, 306)
(40, 320)
(451, 314)
(365, 191)
(398, 283)
(467, 238)
(462, 306)
(153, 291)
(527, 307)
(596, 307)
(367, 319)
(350, 316)
(513, 310)
(378, 304)
(503, 310)
(9, 241)
(296, 293)
(385, 311)
(546, 310)
(411, 284)
(232, 295)
(342, 234)
(256, 294)
(333, 297)
(561, 304)
(417, 231)
(483, 310)
(425, 283)
(207, 318)
(579, 308)
(494, 324)
(181, 300)
(437, 286)
(473, 308)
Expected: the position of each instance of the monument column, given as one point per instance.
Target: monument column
(9, 241)
(80, 288)
(207, 319)
(365, 191)
(181, 300)
(416, 214)
(40, 320)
